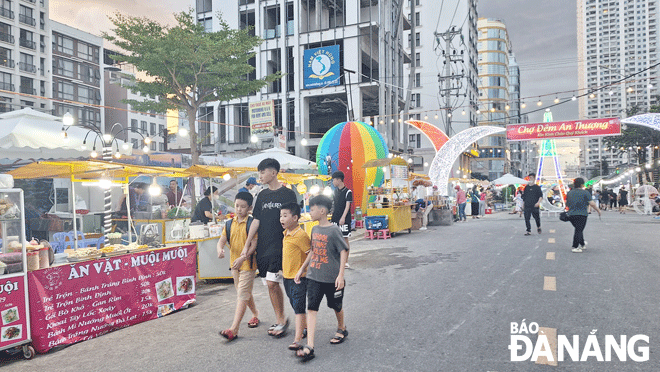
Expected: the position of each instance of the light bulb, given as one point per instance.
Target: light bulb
(105, 183)
(327, 191)
(93, 154)
(478, 111)
(84, 147)
(124, 146)
(426, 164)
(390, 155)
(523, 105)
(426, 117)
(107, 137)
(449, 114)
(492, 109)
(226, 177)
(556, 100)
(67, 119)
(574, 98)
(539, 103)
(611, 92)
(155, 189)
(436, 116)
(507, 107)
(254, 138)
(463, 112)
(314, 189)
(117, 155)
(147, 140)
(183, 132)
(303, 141)
(145, 149)
(592, 95)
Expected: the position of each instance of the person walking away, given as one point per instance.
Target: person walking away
(622, 200)
(605, 199)
(341, 212)
(295, 248)
(461, 199)
(270, 235)
(326, 274)
(243, 268)
(613, 197)
(578, 201)
(473, 195)
(532, 196)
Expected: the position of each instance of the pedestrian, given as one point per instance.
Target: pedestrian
(343, 198)
(474, 202)
(622, 199)
(605, 199)
(270, 235)
(250, 184)
(204, 208)
(461, 199)
(326, 274)
(519, 203)
(243, 268)
(613, 203)
(295, 248)
(578, 201)
(482, 202)
(532, 196)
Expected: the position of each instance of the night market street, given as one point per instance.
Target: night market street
(436, 300)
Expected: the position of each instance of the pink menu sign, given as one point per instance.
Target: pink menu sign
(80, 301)
(13, 311)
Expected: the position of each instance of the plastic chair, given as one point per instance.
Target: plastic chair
(82, 242)
(359, 224)
(383, 234)
(369, 234)
(60, 242)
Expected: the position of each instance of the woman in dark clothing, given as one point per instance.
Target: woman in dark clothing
(578, 201)
(623, 199)
(474, 202)
(204, 209)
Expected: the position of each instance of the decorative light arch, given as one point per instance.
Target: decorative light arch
(446, 157)
(433, 133)
(646, 120)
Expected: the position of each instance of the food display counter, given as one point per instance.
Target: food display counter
(392, 199)
(168, 230)
(209, 266)
(77, 301)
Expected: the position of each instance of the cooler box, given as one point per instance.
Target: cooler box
(375, 222)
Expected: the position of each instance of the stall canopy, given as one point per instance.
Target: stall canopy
(92, 169)
(30, 134)
(384, 162)
(287, 161)
(509, 179)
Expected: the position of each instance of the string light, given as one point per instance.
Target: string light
(539, 103)
(574, 98)
(556, 99)
(592, 95)
(523, 105)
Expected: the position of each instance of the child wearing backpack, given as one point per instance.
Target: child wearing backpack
(243, 267)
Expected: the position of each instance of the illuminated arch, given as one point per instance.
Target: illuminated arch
(433, 133)
(446, 157)
(646, 120)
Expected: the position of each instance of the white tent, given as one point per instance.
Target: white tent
(509, 179)
(30, 134)
(287, 161)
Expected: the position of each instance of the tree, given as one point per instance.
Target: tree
(185, 66)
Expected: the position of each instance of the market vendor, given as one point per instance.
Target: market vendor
(204, 209)
(137, 198)
(174, 194)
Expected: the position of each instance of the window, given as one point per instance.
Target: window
(85, 95)
(27, 63)
(134, 124)
(5, 58)
(417, 39)
(64, 67)
(5, 81)
(161, 146)
(419, 140)
(204, 6)
(161, 129)
(153, 128)
(5, 33)
(134, 142)
(207, 23)
(25, 15)
(416, 19)
(5, 9)
(27, 39)
(416, 100)
(63, 44)
(153, 146)
(143, 126)
(64, 90)
(88, 52)
(418, 80)
(417, 60)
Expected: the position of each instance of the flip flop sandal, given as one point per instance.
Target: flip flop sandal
(339, 339)
(271, 328)
(295, 346)
(307, 353)
(280, 330)
(253, 323)
(229, 335)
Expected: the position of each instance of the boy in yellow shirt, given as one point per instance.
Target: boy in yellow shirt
(295, 247)
(243, 267)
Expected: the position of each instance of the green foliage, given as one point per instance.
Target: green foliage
(184, 65)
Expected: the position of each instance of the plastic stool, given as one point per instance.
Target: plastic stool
(359, 224)
(383, 234)
(369, 234)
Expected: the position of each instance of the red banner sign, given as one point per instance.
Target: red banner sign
(563, 129)
(77, 302)
(14, 328)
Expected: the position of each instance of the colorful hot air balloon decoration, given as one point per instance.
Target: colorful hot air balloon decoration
(346, 147)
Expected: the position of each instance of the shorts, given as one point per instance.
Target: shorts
(296, 294)
(243, 281)
(269, 264)
(345, 229)
(316, 291)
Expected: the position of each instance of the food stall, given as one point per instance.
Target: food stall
(392, 199)
(15, 333)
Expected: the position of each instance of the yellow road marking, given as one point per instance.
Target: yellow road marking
(550, 256)
(552, 230)
(551, 240)
(551, 334)
(549, 283)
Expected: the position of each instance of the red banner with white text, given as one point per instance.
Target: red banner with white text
(563, 129)
(13, 309)
(80, 301)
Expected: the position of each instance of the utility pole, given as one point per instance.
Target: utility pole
(450, 82)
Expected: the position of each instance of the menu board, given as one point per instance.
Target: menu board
(77, 302)
(13, 311)
(399, 171)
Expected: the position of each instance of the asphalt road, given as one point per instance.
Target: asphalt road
(436, 300)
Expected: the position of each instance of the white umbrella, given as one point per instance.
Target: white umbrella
(287, 161)
(30, 134)
(509, 179)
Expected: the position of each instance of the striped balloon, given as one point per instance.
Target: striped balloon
(347, 146)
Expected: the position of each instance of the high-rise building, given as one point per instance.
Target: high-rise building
(616, 38)
(494, 65)
(369, 36)
(76, 63)
(25, 55)
(429, 100)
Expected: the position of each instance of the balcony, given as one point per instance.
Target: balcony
(7, 63)
(27, 43)
(28, 90)
(4, 12)
(27, 67)
(7, 86)
(7, 38)
(27, 20)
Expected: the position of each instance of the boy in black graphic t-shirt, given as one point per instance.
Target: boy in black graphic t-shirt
(341, 206)
(266, 213)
